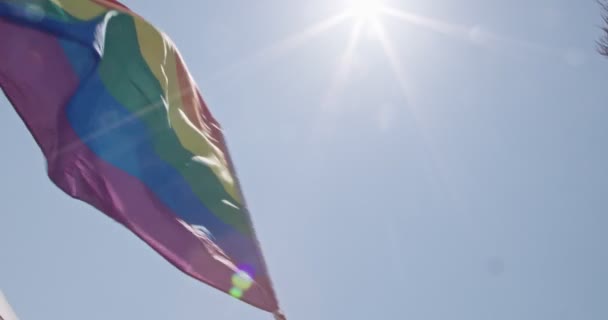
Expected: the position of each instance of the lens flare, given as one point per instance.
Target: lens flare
(242, 280)
(236, 293)
(247, 269)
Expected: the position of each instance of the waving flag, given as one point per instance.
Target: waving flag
(6, 312)
(123, 127)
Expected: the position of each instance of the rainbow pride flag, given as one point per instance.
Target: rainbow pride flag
(123, 127)
(6, 311)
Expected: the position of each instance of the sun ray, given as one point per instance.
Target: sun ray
(437, 167)
(338, 79)
(426, 22)
(392, 56)
(275, 50)
(344, 67)
(476, 35)
(398, 71)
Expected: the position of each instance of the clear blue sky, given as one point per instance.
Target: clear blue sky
(463, 175)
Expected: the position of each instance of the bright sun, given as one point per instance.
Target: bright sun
(366, 10)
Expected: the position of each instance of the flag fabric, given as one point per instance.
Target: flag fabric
(123, 127)
(6, 311)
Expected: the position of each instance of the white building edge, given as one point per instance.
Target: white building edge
(6, 311)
